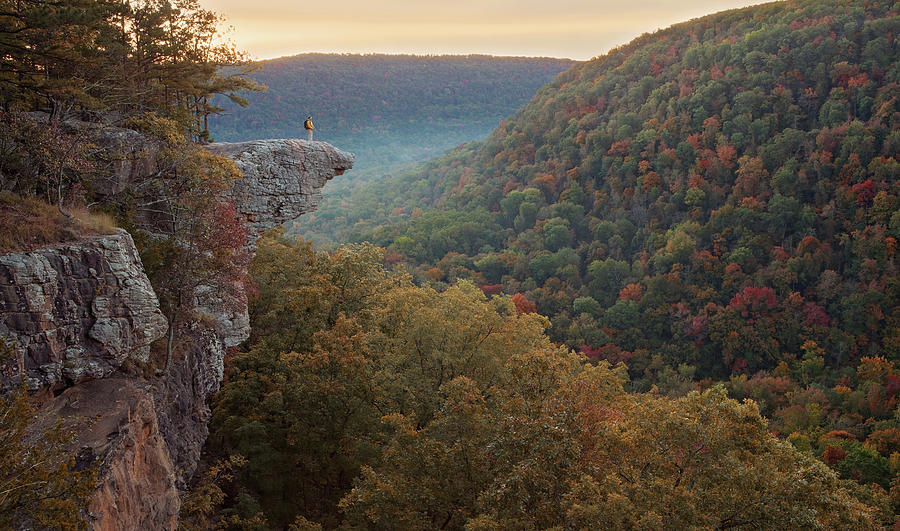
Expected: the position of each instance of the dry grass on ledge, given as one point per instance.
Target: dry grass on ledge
(27, 223)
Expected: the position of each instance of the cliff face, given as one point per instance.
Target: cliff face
(182, 399)
(282, 180)
(115, 420)
(76, 313)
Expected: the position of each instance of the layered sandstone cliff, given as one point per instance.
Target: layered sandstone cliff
(77, 311)
(81, 318)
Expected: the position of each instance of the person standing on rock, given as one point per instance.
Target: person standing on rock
(308, 125)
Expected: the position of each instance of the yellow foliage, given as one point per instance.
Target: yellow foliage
(39, 487)
(874, 369)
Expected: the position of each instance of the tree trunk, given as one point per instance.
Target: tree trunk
(170, 344)
(59, 197)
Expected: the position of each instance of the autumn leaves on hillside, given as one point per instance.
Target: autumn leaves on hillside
(368, 402)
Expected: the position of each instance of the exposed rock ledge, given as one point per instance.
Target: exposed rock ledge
(283, 179)
(77, 311)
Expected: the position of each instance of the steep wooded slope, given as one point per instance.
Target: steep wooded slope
(720, 193)
(717, 201)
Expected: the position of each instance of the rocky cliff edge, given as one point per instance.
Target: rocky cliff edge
(75, 314)
(77, 311)
(283, 179)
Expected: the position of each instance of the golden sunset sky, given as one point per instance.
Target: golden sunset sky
(577, 29)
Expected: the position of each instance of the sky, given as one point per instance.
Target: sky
(577, 29)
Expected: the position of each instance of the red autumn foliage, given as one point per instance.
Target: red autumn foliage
(891, 385)
(435, 274)
(523, 305)
(732, 268)
(739, 365)
(753, 299)
(712, 123)
(840, 434)
(814, 315)
(651, 180)
(392, 258)
(884, 441)
(695, 140)
(696, 327)
(491, 289)
(614, 354)
(620, 147)
(865, 192)
(779, 254)
(834, 455)
(220, 251)
(644, 166)
(589, 352)
(631, 292)
(726, 153)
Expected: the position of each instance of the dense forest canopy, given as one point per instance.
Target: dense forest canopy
(368, 402)
(71, 57)
(550, 331)
(719, 193)
(717, 201)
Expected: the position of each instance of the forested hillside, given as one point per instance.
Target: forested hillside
(717, 200)
(368, 402)
(562, 322)
(362, 100)
(389, 110)
(742, 165)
